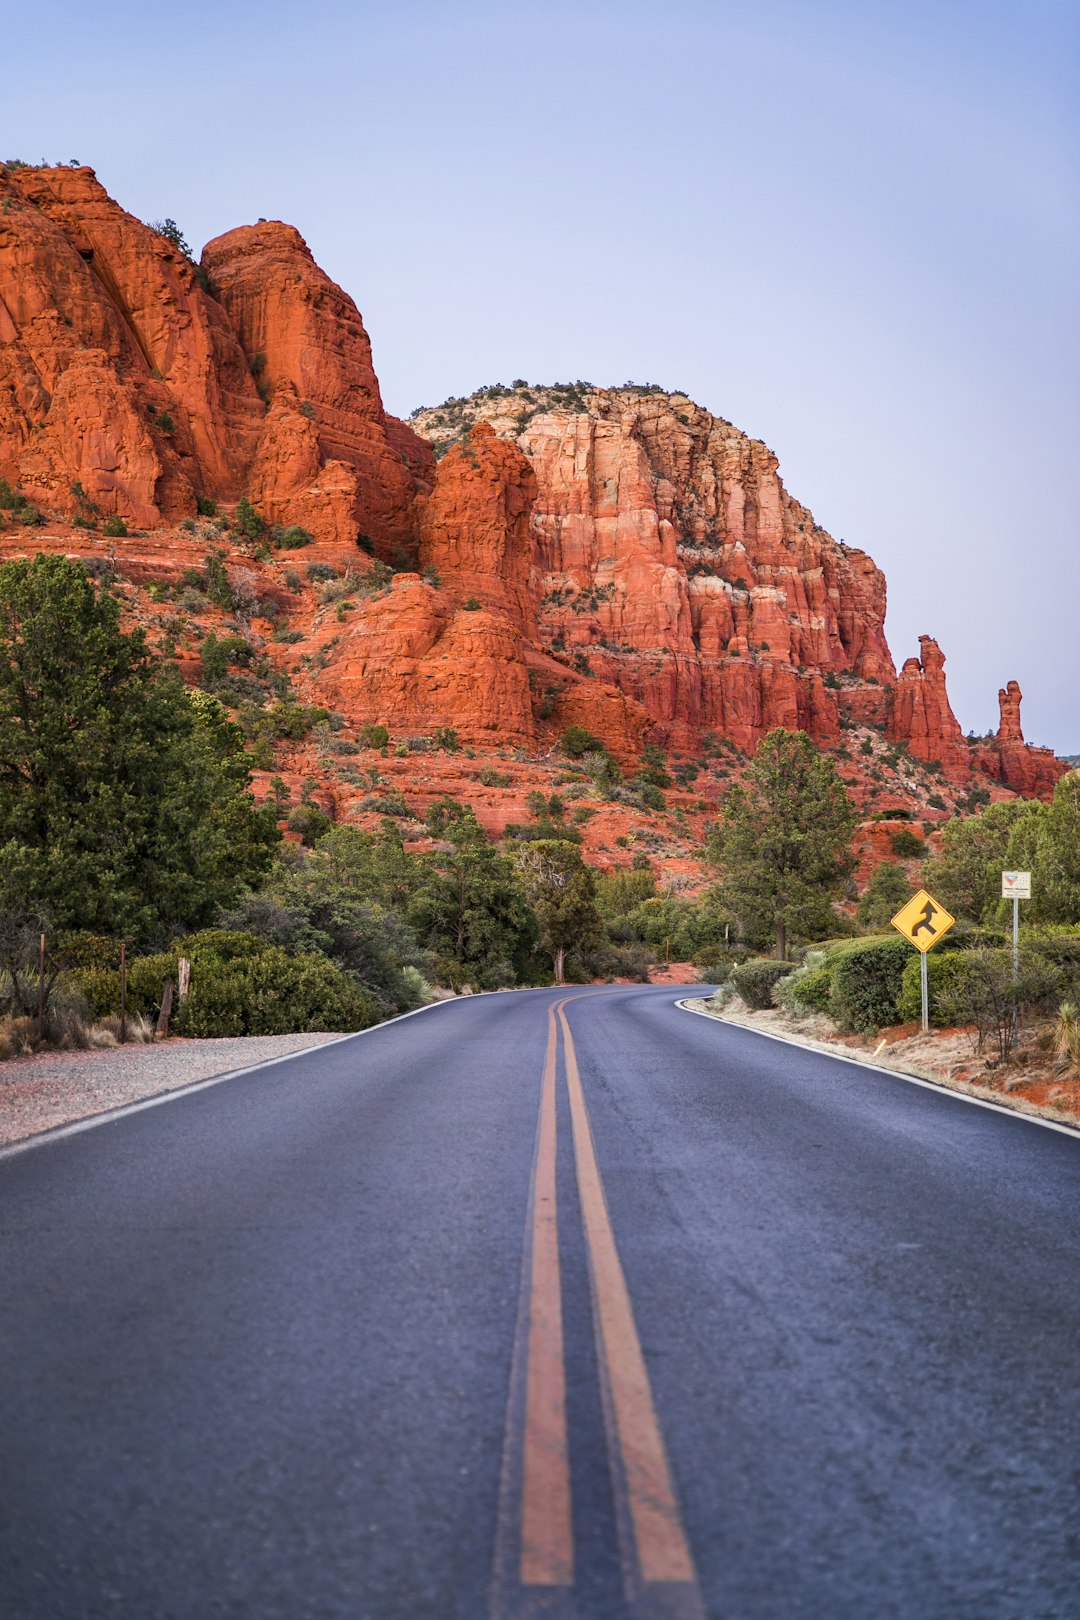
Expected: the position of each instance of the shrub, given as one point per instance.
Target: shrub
(576, 742)
(1066, 1034)
(866, 982)
(290, 539)
(317, 572)
(310, 821)
(985, 993)
(374, 736)
(808, 991)
(205, 506)
(114, 528)
(240, 985)
(446, 738)
(756, 980)
(905, 843)
(247, 522)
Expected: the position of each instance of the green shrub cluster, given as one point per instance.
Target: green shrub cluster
(866, 982)
(755, 981)
(240, 985)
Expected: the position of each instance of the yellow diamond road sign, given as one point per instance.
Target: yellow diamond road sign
(923, 921)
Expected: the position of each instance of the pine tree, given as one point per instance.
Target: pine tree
(124, 802)
(563, 895)
(785, 842)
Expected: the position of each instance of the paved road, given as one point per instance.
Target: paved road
(464, 1317)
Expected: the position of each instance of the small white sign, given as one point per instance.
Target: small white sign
(1016, 885)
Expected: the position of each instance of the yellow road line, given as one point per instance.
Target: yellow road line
(662, 1553)
(534, 1558)
(547, 1540)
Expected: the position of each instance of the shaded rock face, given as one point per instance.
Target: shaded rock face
(303, 336)
(476, 528)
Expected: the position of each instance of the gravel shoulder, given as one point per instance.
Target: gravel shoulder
(55, 1088)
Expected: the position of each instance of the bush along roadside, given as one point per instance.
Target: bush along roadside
(867, 985)
(240, 985)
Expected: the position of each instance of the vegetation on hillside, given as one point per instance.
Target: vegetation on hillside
(127, 816)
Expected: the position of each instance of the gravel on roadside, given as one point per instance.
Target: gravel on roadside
(54, 1088)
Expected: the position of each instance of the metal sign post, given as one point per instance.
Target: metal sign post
(1016, 886)
(923, 922)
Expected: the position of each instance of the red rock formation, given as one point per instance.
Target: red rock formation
(680, 567)
(1031, 772)
(411, 661)
(298, 329)
(921, 716)
(77, 273)
(638, 558)
(475, 527)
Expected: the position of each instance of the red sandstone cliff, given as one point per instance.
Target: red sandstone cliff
(117, 371)
(327, 448)
(619, 559)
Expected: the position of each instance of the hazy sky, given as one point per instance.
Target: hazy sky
(851, 228)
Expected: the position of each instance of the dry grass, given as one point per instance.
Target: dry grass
(67, 1029)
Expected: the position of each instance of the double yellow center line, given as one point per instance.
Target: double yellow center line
(534, 1565)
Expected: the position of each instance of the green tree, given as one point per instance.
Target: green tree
(347, 899)
(785, 842)
(1055, 861)
(470, 908)
(966, 876)
(563, 895)
(124, 802)
(883, 896)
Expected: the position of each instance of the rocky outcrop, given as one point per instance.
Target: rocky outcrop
(81, 280)
(476, 527)
(921, 715)
(619, 559)
(677, 565)
(302, 334)
(412, 660)
(1031, 772)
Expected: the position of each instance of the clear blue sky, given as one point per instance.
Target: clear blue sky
(850, 227)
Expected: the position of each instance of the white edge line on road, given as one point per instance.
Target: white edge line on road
(895, 1074)
(75, 1126)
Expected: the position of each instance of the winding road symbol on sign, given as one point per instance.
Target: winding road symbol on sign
(928, 911)
(923, 921)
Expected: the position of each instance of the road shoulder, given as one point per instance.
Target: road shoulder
(773, 1027)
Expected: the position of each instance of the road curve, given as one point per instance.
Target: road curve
(554, 1304)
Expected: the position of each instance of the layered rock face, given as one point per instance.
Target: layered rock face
(618, 559)
(117, 371)
(476, 527)
(328, 449)
(148, 382)
(677, 565)
(676, 568)
(412, 660)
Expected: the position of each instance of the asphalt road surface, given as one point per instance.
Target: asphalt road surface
(498, 1312)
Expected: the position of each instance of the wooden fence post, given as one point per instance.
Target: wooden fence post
(41, 990)
(166, 1009)
(123, 993)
